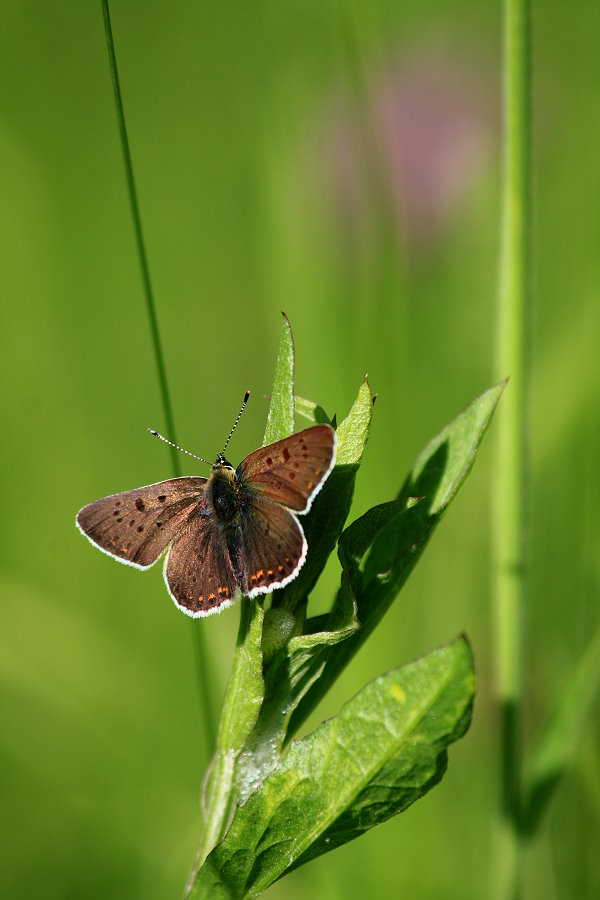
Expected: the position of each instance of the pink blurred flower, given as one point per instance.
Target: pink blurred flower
(424, 137)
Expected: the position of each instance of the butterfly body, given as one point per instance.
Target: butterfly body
(227, 497)
(234, 533)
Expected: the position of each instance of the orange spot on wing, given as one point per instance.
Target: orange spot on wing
(280, 568)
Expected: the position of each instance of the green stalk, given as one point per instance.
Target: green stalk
(198, 637)
(243, 699)
(511, 470)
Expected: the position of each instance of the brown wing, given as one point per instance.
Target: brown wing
(136, 526)
(273, 548)
(198, 573)
(292, 471)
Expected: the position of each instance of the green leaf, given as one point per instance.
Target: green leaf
(323, 525)
(353, 432)
(558, 745)
(280, 419)
(315, 414)
(393, 535)
(384, 750)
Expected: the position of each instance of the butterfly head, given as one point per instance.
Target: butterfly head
(222, 463)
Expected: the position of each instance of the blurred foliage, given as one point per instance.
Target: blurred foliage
(339, 161)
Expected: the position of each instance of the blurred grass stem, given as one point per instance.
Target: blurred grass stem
(509, 527)
(198, 636)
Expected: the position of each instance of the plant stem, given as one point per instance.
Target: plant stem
(198, 637)
(243, 698)
(511, 469)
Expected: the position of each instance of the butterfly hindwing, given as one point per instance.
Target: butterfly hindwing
(198, 571)
(292, 471)
(136, 526)
(273, 548)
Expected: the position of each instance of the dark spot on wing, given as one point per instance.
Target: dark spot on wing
(162, 498)
(140, 504)
(286, 454)
(140, 528)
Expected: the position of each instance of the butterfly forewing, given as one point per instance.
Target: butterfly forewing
(198, 571)
(136, 526)
(273, 548)
(293, 470)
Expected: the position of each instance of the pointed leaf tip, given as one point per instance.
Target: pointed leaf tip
(353, 432)
(280, 419)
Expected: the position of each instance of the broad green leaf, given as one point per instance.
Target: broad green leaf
(280, 419)
(315, 414)
(393, 535)
(323, 525)
(559, 743)
(384, 750)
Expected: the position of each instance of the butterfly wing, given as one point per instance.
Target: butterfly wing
(136, 526)
(198, 572)
(272, 548)
(292, 471)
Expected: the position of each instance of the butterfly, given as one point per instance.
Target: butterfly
(235, 533)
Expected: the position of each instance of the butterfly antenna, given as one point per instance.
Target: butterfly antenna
(246, 395)
(177, 447)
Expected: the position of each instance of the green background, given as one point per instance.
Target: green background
(340, 161)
